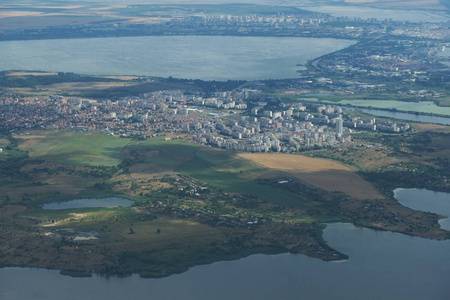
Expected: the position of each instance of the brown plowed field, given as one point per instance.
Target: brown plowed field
(323, 173)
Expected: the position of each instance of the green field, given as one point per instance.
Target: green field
(222, 169)
(92, 149)
(219, 168)
(4, 142)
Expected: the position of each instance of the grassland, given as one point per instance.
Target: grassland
(93, 149)
(193, 204)
(41, 84)
(4, 142)
(431, 128)
(221, 169)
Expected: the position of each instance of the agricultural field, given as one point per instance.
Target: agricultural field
(92, 149)
(419, 159)
(326, 174)
(421, 127)
(80, 87)
(41, 84)
(24, 73)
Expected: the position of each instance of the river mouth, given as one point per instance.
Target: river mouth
(109, 202)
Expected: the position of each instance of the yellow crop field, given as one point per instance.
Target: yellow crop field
(323, 173)
(31, 74)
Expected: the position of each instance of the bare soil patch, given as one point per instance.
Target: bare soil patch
(59, 7)
(30, 74)
(149, 20)
(73, 89)
(118, 77)
(431, 127)
(32, 139)
(108, 7)
(83, 86)
(18, 13)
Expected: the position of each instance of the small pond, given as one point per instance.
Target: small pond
(89, 203)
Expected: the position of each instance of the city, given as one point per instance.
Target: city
(246, 120)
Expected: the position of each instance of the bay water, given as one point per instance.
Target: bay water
(382, 265)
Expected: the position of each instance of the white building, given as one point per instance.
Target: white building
(339, 127)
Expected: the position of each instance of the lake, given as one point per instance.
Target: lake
(403, 106)
(89, 203)
(425, 200)
(382, 265)
(193, 57)
(404, 116)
